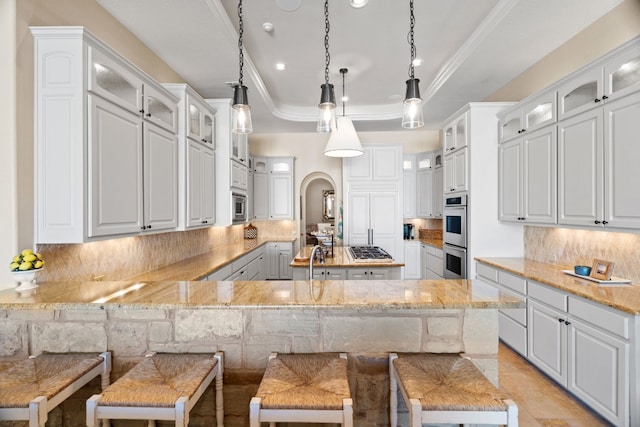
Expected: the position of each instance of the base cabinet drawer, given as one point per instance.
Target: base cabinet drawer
(513, 334)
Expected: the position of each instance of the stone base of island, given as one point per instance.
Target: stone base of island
(247, 321)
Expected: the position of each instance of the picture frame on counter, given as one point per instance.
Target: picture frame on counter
(602, 269)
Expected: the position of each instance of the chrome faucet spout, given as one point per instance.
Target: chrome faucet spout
(312, 256)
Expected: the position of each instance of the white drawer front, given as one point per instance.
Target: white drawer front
(436, 265)
(548, 296)
(600, 316)
(487, 272)
(513, 282)
(434, 251)
(513, 334)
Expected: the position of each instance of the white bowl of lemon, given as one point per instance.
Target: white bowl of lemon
(25, 267)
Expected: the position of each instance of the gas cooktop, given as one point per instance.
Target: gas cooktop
(369, 254)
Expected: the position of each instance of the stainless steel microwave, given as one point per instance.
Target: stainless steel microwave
(239, 206)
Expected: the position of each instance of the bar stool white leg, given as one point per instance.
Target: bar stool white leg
(182, 415)
(254, 412)
(38, 412)
(512, 413)
(415, 413)
(393, 392)
(347, 412)
(219, 394)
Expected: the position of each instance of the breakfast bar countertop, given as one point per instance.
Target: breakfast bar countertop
(316, 294)
(622, 297)
(340, 258)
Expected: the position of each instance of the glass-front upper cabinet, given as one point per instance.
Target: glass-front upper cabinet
(581, 93)
(455, 134)
(195, 111)
(114, 82)
(622, 74)
(540, 112)
(510, 125)
(209, 128)
(160, 109)
(200, 121)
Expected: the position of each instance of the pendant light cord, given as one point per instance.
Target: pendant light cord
(412, 21)
(240, 33)
(327, 57)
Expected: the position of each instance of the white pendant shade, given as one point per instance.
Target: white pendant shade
(344, 141)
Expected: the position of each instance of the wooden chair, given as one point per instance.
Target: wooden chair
(161, 387)
(31, 388)
(447, 389)
(303, 388)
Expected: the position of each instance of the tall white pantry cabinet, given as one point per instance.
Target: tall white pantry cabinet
(105, 142)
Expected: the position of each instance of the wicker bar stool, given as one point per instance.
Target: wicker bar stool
(31, 388)
(161, 387)
(446, 388)
(303, 388)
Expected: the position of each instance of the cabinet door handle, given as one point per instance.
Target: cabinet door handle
(596, 221)
(148, 227)
(560, 320)
(605, 97)
(596, 100)
(148, 114)
(143, 228)
(605, 222)
(141, 111)
(566, 322)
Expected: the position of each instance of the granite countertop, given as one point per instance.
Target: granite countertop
(340, 259)
(316, 294)
(437, 243)
(622, 297)
(200, 266)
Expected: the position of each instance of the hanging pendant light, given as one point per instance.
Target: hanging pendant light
(344, 141)
(412, 107)
(241, 120)
(327, 106)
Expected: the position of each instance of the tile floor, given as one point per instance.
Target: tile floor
(541, 402)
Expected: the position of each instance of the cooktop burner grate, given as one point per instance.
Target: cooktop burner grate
(369, 253)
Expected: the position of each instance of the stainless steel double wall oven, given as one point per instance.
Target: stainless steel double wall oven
(455, 237)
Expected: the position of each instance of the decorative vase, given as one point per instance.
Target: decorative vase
(25, 279)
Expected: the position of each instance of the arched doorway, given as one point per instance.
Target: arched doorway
(314, 190)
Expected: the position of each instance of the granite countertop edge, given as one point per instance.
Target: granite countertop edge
(625, 298)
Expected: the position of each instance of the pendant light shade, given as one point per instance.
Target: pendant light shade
(327, 105)
(412, 106)
(344, 141)
(241, 118)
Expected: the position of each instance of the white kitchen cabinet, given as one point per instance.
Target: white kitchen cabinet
(229, 174)
(200, 197)
(320, 273)
(455, 172)
(455, 134)
(373, 273)
(411, 260)
(373, 220)
(378, 163)
(196, 164)
(425, 199)
(240, 148)
(437, 194)
(409, 191)
(273, 188)
(611, 77)
(577, 347)
(527, 178)
(279, 256)
(596, 168)
(105, 166)
(434, 263)
(534, 113)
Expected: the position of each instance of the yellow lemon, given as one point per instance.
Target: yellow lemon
(26, 252)
(38, 256)
(17, 258)
(14, 266)
(30, 258)
(38, 264)
(25, 266)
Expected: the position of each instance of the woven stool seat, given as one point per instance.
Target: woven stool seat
(303, 388)
(31, 388)
(160, 387)
(446, 388)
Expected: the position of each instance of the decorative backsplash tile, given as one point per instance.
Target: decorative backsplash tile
(569, 247)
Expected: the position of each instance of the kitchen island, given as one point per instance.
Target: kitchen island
(248, 320)
(342, 266)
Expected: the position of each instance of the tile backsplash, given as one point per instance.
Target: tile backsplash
(568, 247)
(118, 259)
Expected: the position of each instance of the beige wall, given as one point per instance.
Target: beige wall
(612, 30)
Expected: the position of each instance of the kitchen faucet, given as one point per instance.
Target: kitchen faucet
(312, 256)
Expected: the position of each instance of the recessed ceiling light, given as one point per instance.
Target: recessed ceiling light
(288, 5)
(268, 27)
(280, 66)
(417, 62)
(358, 3)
